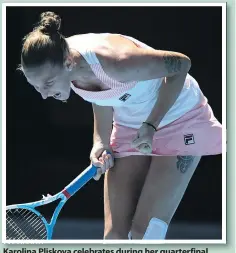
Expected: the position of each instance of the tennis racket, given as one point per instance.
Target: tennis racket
(24, 222)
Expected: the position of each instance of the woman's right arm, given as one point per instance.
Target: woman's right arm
(101, 154)
(103, 117)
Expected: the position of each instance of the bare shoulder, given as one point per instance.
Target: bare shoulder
(112, 52)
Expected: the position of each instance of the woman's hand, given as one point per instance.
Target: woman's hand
(143, 140)
(102, 157)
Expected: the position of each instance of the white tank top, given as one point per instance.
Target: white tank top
(132, 102)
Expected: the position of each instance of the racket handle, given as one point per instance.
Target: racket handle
(80, 181)
(99, 174)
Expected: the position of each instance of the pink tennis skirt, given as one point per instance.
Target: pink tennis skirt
(196, 133)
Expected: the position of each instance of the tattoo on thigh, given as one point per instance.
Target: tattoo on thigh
(184, 162)
(172, 63)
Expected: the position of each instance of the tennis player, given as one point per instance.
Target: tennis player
(152, 122)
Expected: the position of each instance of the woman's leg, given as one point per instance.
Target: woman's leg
(122, 187)
(164, 187)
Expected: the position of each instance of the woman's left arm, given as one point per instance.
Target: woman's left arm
(138, 64)
(168, 94)
(175, 67)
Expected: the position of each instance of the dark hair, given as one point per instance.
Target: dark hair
(45, 43)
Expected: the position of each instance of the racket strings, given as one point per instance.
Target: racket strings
(25, 228)
(24, 224)
(29, 216)
(12, 222)
(27, 225)
(19, 232)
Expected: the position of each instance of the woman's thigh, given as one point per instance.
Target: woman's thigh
(164, 187)
(122, 187)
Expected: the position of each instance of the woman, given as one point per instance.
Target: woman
(152, 123)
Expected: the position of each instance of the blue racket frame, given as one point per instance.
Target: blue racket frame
(64, 195)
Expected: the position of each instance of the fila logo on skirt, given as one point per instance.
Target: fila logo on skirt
(189, 139)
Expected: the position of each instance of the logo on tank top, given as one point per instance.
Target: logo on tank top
(124, 97)
(189, 139)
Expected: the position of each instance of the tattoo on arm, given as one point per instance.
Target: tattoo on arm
(172, 62)
(184, 162)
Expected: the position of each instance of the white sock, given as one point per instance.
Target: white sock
(130, 235)
(156, 230)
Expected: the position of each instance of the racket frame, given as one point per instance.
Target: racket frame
(64, 195)
(32, 205)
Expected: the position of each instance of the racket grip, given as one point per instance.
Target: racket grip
(80, 181)
(99, 174)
